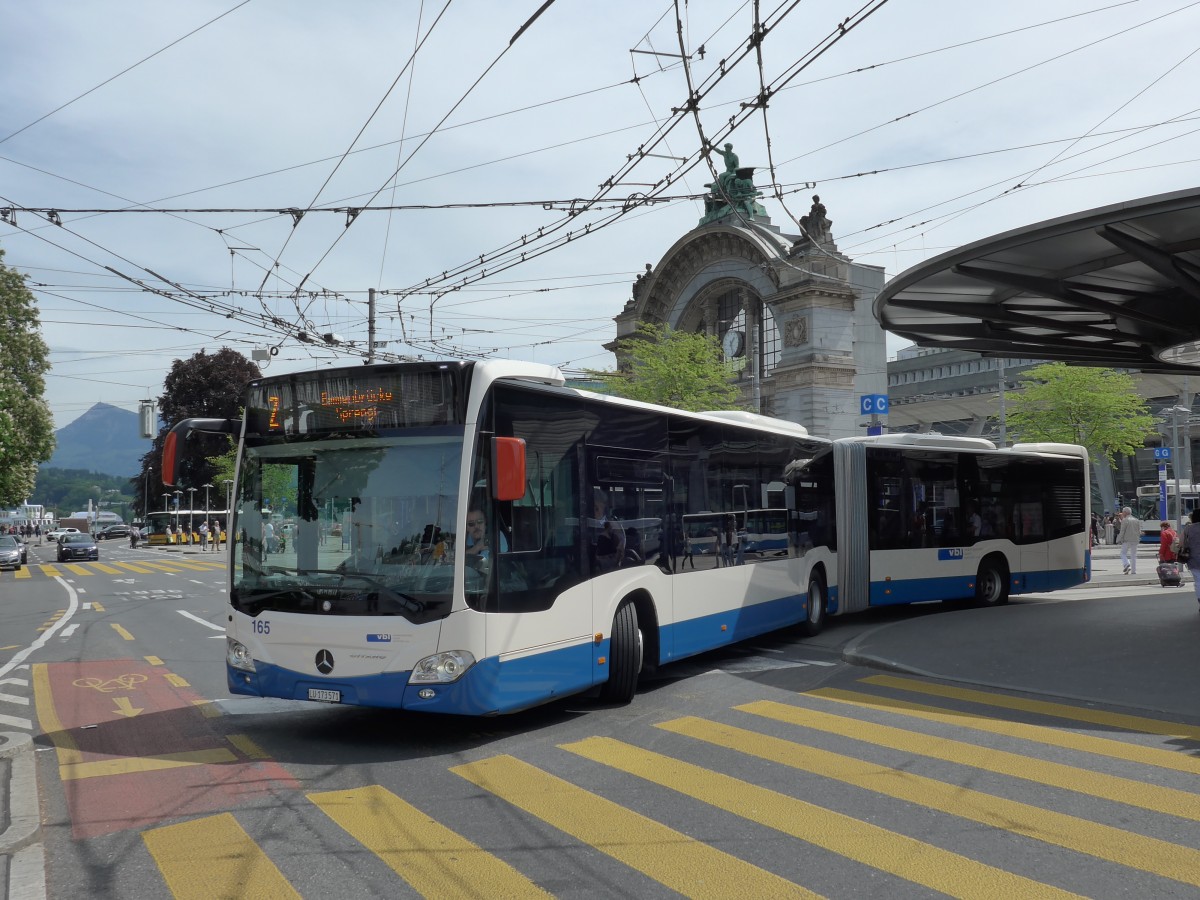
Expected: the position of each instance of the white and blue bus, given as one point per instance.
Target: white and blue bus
(1149, 507)
(477, 538)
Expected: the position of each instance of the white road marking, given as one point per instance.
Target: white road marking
(16, 722)
(70, 629)
(13, 698)
(184, 612)
(72, 608)
(23, 682)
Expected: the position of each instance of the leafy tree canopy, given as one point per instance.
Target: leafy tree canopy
(1097, 408)
(26, 426)
(206, 385)
(680, 369)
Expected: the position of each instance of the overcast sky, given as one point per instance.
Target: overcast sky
(924, 126)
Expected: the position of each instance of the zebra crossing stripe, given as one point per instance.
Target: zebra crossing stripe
(670, 857)
(436, 861)
(1059, 710)
(130, 567)
(1183, 804)
(214, 857)
(1126, 848)
(872, 845)
(1054, 737)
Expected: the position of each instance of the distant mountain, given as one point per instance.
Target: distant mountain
(105, 439)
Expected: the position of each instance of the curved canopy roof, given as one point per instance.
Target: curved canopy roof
(1115, 286)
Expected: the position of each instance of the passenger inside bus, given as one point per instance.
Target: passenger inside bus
(609, 537)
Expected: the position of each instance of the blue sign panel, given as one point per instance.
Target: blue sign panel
(1162, 452)
(952, 553)
(873, 404)
(873, 430)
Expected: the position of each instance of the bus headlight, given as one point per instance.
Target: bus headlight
(238, 656)
(441, 668)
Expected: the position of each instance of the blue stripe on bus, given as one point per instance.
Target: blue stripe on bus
(522, 682)
(703, 633)
(961, 587)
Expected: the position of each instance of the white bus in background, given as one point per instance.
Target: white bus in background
(1149, 507)
(456, 528)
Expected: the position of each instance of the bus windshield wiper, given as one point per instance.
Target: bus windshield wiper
(405, 601)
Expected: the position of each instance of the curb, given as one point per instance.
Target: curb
(25, 822)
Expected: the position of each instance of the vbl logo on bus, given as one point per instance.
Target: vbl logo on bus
(951, 553)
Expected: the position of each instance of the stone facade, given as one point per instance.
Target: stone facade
(800, 312)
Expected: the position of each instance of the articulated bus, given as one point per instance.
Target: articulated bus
(477, 538)
(1149, 507)
(155, 530)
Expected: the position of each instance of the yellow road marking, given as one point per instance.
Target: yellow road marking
(126, 765)
(670, 857)
(1154, 797)
(871, 845)
(1042, 707)
(23, 573)
(107, 570)
(214, 857)
(49, 571)
(436, 861)
(78, 569)
(130, 567)
(176, 680)
(247, 746)
(207, 708)
(43, 698)
(1070, 832)
(97, 607)
(122, 632)
(1148, 756)
(161, 567)
(153, 660)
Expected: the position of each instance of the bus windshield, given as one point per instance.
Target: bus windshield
(349, 526)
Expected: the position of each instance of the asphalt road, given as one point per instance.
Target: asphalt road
(1050, 747)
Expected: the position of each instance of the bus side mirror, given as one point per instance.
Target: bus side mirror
(181, 429)
(508, 468)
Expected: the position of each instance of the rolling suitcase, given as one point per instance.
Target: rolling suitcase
(1168, 574)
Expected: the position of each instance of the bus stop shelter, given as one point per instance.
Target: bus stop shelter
(1116, 286)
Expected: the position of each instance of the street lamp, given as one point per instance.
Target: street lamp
(166, 500)
(1175, 411)
(228, 482)
(177, 494)
(191, 512)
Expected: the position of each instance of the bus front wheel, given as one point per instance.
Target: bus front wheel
(815, 620)
(624, 656)
(991, 584)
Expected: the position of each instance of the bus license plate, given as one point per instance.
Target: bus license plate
(324, 696)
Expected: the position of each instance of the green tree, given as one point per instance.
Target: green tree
(680, 369)
(206, 385)
(26, 426)
(1097, 408)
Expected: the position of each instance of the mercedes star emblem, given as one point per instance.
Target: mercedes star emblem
(324, 662)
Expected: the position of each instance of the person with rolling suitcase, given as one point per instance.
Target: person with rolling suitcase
(1168, 564)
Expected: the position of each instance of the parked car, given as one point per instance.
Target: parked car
(24, 548)
(77, 546)
(57, 533)
(113, 531)
(10, 552)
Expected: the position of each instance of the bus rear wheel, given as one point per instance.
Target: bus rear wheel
(815, 620)
(991, 584)
(624, 656)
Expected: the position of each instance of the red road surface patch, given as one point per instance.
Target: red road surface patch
(122, 769)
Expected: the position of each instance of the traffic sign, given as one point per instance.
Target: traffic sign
(873, 404)
(1162, 452)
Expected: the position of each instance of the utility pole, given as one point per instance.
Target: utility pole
(370, 325)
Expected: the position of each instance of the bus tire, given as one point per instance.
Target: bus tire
(991, 583)
(624, 656)
(817, 608)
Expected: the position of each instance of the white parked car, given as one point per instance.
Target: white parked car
(59, 532)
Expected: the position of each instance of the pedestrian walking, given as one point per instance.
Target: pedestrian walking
(203, 536)
(1108, 529)
(1189, 549)
(1128, 537)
